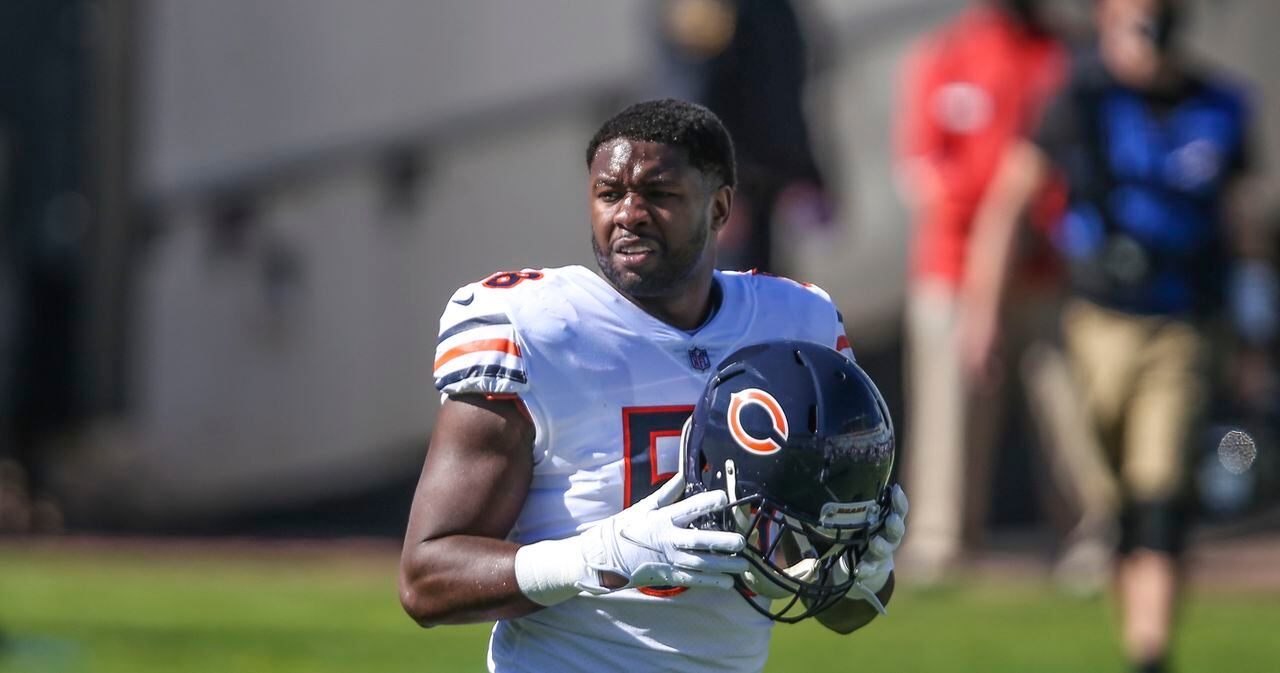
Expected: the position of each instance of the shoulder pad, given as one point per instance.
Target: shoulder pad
(479, 349)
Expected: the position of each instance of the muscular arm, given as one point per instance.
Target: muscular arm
(848, 616)
(456, 566)
(1022, 171)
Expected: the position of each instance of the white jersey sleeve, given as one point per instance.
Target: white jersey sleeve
(797, 310)
(478, 350)
(838, 339)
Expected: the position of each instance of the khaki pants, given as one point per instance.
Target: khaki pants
(952, 429)
(1145, 381)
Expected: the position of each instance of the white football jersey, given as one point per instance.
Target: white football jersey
(609, 387)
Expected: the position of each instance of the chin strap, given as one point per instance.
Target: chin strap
(860, 592)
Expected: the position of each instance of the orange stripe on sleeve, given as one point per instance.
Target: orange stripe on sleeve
(500, 345)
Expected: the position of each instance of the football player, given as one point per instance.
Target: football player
(547, 499)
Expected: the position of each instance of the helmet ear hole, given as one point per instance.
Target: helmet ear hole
(813, 419)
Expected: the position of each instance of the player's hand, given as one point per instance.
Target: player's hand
(650, 543)
(872, 571)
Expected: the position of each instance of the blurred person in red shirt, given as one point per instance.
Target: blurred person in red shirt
(972, 88)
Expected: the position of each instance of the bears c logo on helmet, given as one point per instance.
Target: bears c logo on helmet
(738, 402)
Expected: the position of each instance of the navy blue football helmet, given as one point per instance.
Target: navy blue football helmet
(800, 439)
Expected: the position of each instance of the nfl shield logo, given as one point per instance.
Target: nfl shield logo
(699, 359)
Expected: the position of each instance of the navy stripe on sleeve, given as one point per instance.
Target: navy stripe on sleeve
(482, 371)
(482, 321)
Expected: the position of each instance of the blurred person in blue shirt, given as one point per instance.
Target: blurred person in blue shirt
(1153, 150)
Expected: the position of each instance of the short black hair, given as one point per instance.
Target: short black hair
(677, 123)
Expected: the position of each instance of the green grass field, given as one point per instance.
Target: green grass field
(142, 608)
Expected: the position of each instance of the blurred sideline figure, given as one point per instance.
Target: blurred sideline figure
(747, 61)
(551, 496)
(46, 218)
(971, 89)
(1153, 150)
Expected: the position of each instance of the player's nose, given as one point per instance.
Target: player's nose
(632, 211)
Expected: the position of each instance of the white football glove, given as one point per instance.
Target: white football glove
(648, 544)
(872, 570)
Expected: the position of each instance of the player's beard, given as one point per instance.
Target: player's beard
(676, 265)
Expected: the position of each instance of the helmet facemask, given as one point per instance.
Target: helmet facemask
(800, 565)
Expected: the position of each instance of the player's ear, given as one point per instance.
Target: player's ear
(721, 205)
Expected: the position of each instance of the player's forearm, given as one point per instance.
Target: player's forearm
(461, 579)
(995, 227)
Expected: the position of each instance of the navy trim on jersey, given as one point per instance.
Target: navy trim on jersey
(481, 371)
(482, 321)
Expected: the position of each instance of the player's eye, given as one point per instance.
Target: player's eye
(609, 196)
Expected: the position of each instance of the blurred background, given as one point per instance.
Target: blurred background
(229, 229)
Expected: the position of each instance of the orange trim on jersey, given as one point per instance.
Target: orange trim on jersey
(665, 592)
(842, 342)
(499, 345)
